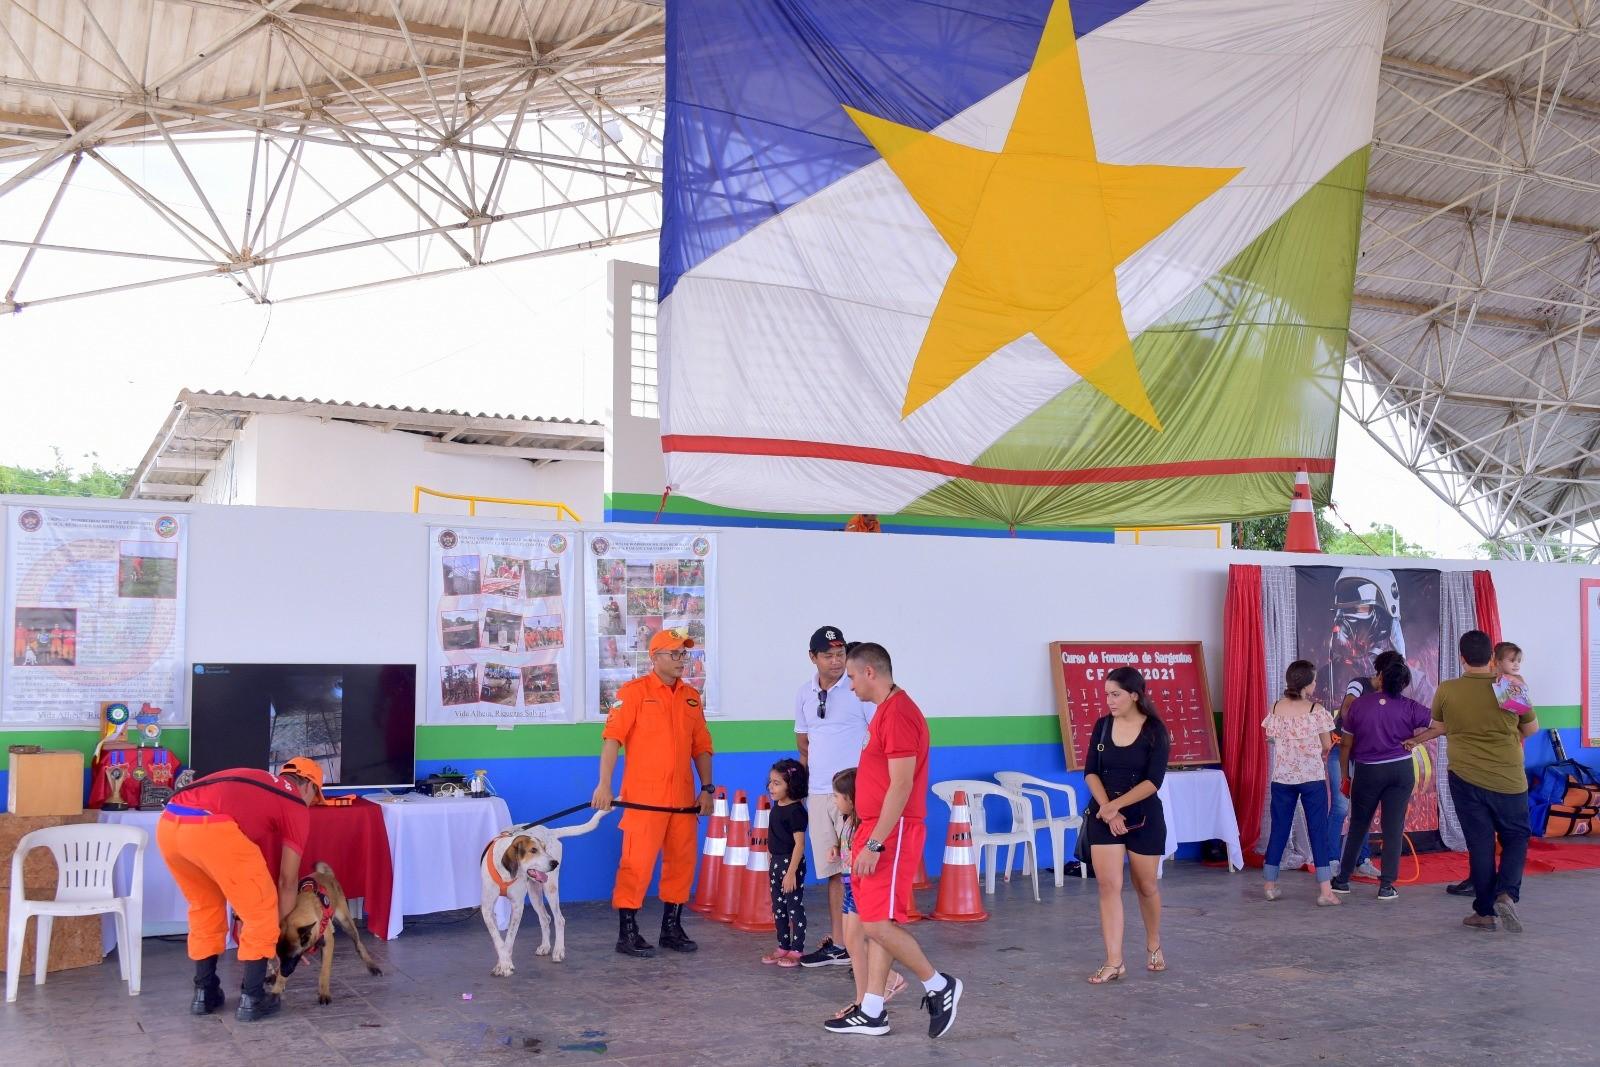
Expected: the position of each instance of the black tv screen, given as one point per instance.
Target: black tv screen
(356, 719)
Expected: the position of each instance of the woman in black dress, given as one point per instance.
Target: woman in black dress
(1127, 760)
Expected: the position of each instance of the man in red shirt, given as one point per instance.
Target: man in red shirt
(658, 722)
(235, 838)
(891, 804)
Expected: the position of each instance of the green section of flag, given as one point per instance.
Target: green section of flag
(688, 506)
(1248, 366)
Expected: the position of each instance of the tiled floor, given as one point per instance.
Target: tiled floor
(1250, 983)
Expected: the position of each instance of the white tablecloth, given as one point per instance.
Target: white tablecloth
(436, 844)
(434, 847)
(1198, 807)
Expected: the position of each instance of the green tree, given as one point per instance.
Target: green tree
(1381, 540)
(1268, 534)
(60, 480)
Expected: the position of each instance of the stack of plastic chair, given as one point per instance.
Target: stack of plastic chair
(1028, 787)
(716, 846)
(733, 861)
(988, 841)
(755, 895)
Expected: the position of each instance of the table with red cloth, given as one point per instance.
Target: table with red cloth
(353, 840)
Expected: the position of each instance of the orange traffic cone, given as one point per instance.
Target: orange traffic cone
(912, 914)
(733, 861)
(959, 898)
(705, 889)
(1302, 518)
(922, 881)
(755, 896)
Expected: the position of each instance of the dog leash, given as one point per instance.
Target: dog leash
(615, 803)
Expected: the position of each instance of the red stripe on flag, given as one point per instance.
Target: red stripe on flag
(884, 457)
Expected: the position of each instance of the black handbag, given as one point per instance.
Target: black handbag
(1080, 848)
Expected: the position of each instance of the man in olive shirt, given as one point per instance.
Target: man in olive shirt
(1488, 782)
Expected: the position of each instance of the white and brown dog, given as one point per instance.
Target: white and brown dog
(519, 863)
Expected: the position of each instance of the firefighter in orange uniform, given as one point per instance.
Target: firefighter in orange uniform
(658, 721)
(235, 838)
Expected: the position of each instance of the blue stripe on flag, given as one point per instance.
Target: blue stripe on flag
(755, 89)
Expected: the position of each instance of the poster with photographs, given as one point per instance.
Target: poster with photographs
(499, 646)
(94, 602)
(638, 584)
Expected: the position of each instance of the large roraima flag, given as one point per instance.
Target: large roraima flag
(1036, 262)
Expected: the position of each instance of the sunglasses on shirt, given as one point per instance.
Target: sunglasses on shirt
(822, 703)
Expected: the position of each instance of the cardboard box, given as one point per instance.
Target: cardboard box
(38, 866)
(46, 783)
(74, 942)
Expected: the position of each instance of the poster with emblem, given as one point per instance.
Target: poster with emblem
(500, 635)
(638, 584)
(94, 603)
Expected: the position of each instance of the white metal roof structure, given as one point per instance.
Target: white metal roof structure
(488, 131)
(202, 426)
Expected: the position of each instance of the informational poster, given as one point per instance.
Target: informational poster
(95, 605)
(638, 584)
(1589, 600)
(1175, 678)
(1346, 617)
(500, 640)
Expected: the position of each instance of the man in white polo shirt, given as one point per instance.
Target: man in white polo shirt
(830, 726)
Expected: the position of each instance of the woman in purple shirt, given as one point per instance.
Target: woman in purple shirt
(1374, 728)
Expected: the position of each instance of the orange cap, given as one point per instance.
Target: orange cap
(306, 768)
(670, 640)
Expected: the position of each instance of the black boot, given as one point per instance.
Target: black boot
(207, 988)
(629, 943)
(254, 1000)
(672, 935)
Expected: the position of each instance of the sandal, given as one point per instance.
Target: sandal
(846, 1010)
(1157, 961)
(775, 956)
(1108, 973)
(895, 984)
(1328, 901)
(1273, 892)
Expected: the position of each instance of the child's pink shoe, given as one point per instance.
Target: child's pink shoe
(777, 956)
(790, 959)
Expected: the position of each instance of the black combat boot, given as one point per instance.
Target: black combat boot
(254, 1000)
(629, 942)
(207, 988)
(672, 935)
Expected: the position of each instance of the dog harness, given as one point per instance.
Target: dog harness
(309, 884)
(494, 868)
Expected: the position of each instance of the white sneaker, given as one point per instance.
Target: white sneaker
(1367, 870)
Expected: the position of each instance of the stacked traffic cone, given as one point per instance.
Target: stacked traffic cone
(733, 861)
(960, 900)
(705, 889)
(1302, 518)
(922, 881)
(755, 896)
(912, 914)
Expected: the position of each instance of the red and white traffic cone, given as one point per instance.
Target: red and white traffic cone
(912, 914)
(1302, 517)
(755, 896)
(733, 861)
(960, 900)
(705, 889)
(922, 881)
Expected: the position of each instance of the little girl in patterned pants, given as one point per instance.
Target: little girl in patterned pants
(787, 784)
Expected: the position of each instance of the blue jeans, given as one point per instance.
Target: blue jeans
(1314, 797)
(1484, 815)
(1340, 810)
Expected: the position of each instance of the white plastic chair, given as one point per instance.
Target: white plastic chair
(988, 842)
(86, 854)
(1027, 786)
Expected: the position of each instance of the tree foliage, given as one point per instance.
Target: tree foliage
(1269, 534)
(61, 480)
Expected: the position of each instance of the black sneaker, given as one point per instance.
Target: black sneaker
(856, 1021)
(826, 954)
(1462, 888)
(1388, 892)
(1340, 885)
(942, 1006)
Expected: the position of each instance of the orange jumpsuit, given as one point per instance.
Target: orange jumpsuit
(661, 731)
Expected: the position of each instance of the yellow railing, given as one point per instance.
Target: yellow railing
(562, 511)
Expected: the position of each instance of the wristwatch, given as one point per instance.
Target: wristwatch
(873, 846)
(708, 789)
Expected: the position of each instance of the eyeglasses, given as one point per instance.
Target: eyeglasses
(674, 654)
(822, 703)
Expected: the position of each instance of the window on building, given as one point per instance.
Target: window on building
(642, 352)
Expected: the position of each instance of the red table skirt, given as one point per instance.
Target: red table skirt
(353, 841)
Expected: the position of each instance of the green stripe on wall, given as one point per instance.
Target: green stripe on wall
(175, 740)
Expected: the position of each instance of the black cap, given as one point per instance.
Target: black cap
(828, 637)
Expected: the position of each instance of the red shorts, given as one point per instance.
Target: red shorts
(890, 884)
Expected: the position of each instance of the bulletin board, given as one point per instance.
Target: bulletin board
(1175, 676)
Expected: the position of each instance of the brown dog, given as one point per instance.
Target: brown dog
(309, 924)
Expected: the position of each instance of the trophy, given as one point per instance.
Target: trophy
(116, 771)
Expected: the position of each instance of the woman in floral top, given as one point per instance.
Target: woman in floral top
(1300, 732)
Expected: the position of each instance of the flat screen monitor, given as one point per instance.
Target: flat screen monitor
(356, 719)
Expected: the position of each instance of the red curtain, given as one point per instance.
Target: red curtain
(1244, 668)
(1487, 604)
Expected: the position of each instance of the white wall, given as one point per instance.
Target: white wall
(234, 479)
(634, 463)
(967, 619)
(303, 462)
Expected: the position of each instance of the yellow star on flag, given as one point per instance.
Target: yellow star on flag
(1038, 229)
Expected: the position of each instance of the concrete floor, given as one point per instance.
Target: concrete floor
(1250, 982)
